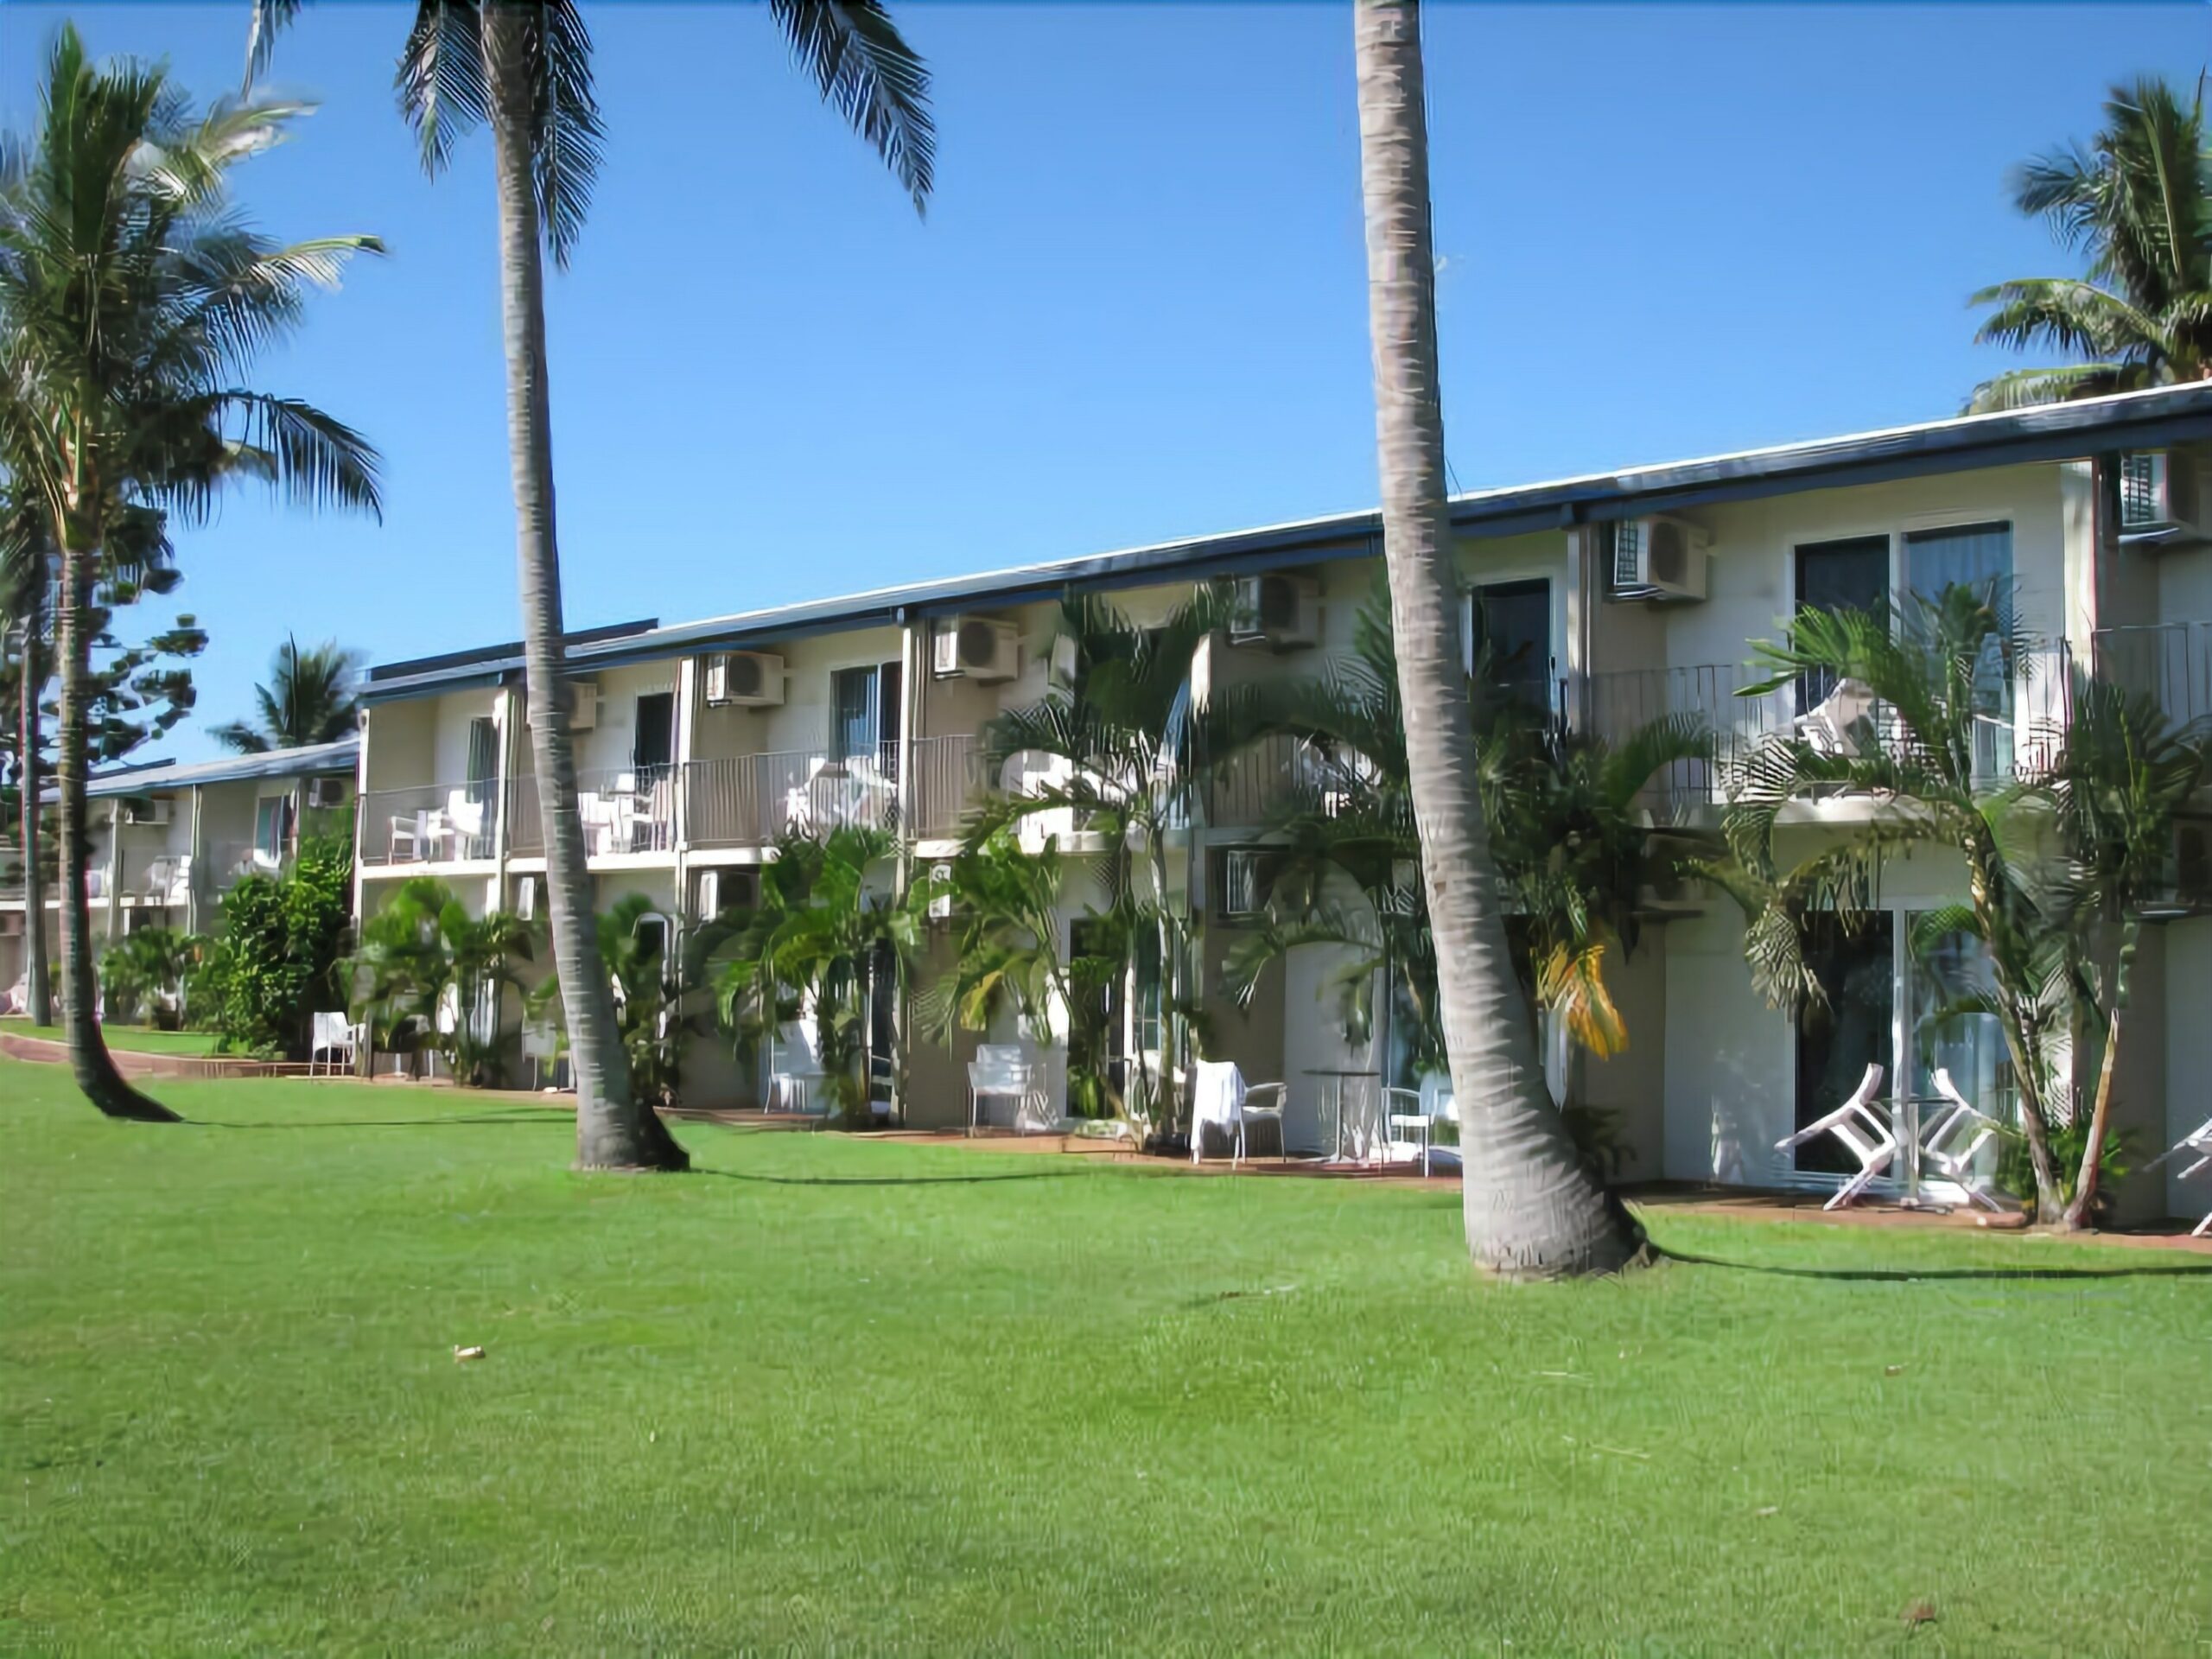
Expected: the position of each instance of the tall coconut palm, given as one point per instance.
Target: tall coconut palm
(525, 70)
(132, 300)
(309, 699)
(1532, 1207)
(26, 576)
(2137, 200)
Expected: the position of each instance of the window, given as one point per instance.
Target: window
(1845, 575)
(1847, 1031)
(1978, 557)
(864, 715)
(1241, 886)
(1509, 629)
(272, 826)
(652, 745)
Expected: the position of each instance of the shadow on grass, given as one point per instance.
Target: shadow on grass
(891, 1180)
(1908, 1276)
(525, 1114)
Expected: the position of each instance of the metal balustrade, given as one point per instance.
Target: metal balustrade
(750, 800)
(949, 780)
(428, 823)
(2170, 662)
(623, 808)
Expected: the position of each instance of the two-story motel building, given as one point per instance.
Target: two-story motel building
(1628, 595)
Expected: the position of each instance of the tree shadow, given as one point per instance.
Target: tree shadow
(1910, 1276)
(890, 1181)
(511, 1118)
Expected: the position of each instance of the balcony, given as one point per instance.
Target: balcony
(2025, 717)
(2170, 662)
(229, 863)
(949, 780)
(431, 823)
(749, 800)
(624, 810)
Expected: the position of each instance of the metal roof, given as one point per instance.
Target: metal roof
(2055, 432)
(159, 776)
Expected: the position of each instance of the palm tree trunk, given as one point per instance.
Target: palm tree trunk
(2093, 1148)
(2035, 1126)
(38, 985)
(1532, 1208)
(89, 1060)
(613, 1130)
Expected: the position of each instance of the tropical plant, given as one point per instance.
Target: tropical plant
(132, 301)
(26, 575)
(308, 700)
(1532, 1206)
(650, 991)
(2119, 787)
(427, 969)
(1111, 754)
(816, 946)
(1941, 669)
(2136, 201)
(526, 71)
(279, 957)
(147, 975)
(1007, 958)
(1573, 852)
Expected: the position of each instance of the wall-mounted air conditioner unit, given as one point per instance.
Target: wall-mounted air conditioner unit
(327, 793)
(975, 648)
(1658, 557)
(1281, 613)
(158, 811)
(941, 901)
(745, 679)
(2160, 500)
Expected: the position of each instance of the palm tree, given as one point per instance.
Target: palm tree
(1573, 853)
(525, 70)
(151, 972)
(132, 302)
(1941, 669)
(309, 700)
(818, 943)
(1113, 752)
(1532, 1207)
(26, 576)
(2118, 788)
(425, 962)
(2137, 201)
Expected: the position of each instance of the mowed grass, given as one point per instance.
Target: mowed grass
(138, 1039)
(833, 1396)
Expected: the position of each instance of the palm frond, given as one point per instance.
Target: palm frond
(866, 72)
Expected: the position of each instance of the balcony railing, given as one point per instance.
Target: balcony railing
(949, 778)
(624, 810)
(428, 823)
(226, 864)
(162, 878)
(2023, 720)
(2168, 662)
(750, 800)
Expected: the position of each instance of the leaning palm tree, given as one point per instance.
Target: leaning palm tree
(526, 71)
(132, 300)
(2137, 200)
(1532, 1207)
(309, 699)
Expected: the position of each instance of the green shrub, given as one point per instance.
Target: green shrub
(274, 963)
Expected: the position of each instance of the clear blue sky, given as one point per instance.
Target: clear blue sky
(1136, 310)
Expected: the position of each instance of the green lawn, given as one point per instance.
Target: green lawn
(137, 1038)
(827, 1395)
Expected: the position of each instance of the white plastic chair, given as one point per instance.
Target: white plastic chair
(793, 1071)
(1832, 726)
(541, 1046)
(1862, 1131)
(333, 1039)
(1433, 1103)
(1000, 1072)
(1951, 1147)
(2198, 1142)
(409, 831)
(1220, 1095)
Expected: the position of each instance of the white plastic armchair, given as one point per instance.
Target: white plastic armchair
(1219, 1095)
(334, 1040)
(1862, 1131)
(1421, 1110)
(1951, 1147)
(1832, 727)
(2196, 1143)
(1000, 1071)
(409, 835)
(794, 1071)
